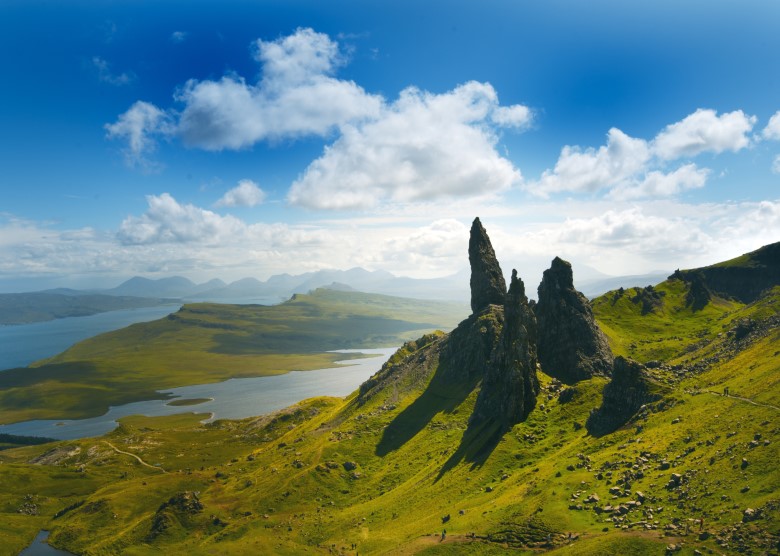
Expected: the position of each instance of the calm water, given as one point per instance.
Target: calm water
(232, 399)
(22, 344)
(39, 547)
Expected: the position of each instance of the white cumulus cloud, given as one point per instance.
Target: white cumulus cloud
(246, 194)
(167, 221)
(772, 129)
(423, 146)
(297, 96)
(631, 168)
(591, 169)
(659, 184)
(704, 131)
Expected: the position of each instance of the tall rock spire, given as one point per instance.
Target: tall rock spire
(510, 386)
(487, 281)
(571, 346)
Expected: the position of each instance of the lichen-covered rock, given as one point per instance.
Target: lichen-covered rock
(510, 384)
(571, 347)
(487, 281)
(630, 388)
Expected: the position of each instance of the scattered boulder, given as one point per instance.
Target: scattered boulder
(571, 347)
(349, 465)
(175, 513)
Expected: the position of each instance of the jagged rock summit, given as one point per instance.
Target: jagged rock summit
(510, 385)
(487, 281)
(497, 349)
(571, 347)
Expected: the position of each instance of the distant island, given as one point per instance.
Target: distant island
(26, 308)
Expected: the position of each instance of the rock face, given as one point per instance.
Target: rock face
(630, 388)
(470, 349)
(510, 385)
(571, 347)
(744, 278)
(698, 294)
(487, 281)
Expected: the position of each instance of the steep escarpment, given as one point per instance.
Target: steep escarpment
(744, 278)
(571, 346)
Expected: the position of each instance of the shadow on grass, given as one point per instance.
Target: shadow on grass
(476, 445)
(442, 395)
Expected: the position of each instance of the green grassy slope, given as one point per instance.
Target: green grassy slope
(207, 342)
(682, 472)
(652, 324)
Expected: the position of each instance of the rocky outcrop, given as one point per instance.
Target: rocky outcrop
(487, 281)
(408, 368)
(510, 385)
(470, 348)
(630, 388)
(698, 293)
(744, 278)
(571, 347)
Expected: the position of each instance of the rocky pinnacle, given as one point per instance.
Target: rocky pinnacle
(487, 281)
(571, 346)
(510, 386)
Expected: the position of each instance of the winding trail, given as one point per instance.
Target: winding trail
(748, 400)
(142, 462)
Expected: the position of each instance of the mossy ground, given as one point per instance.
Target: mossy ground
(278, 484)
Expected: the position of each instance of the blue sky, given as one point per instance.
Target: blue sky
(236, 138)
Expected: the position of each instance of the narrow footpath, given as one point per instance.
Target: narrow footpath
(142, 462)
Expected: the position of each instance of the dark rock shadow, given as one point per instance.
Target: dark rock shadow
(441, 395)
(475, 447)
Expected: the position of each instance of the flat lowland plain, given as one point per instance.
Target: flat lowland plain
(206, 342)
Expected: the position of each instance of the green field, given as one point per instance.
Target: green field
(683, 472)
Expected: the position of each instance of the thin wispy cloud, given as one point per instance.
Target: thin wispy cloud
(140, 127)
(104, 73)
(179, 37)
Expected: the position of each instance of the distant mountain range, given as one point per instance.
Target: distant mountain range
(281, 286)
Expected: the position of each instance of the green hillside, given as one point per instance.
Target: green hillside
(206, 342)
(387, 469)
